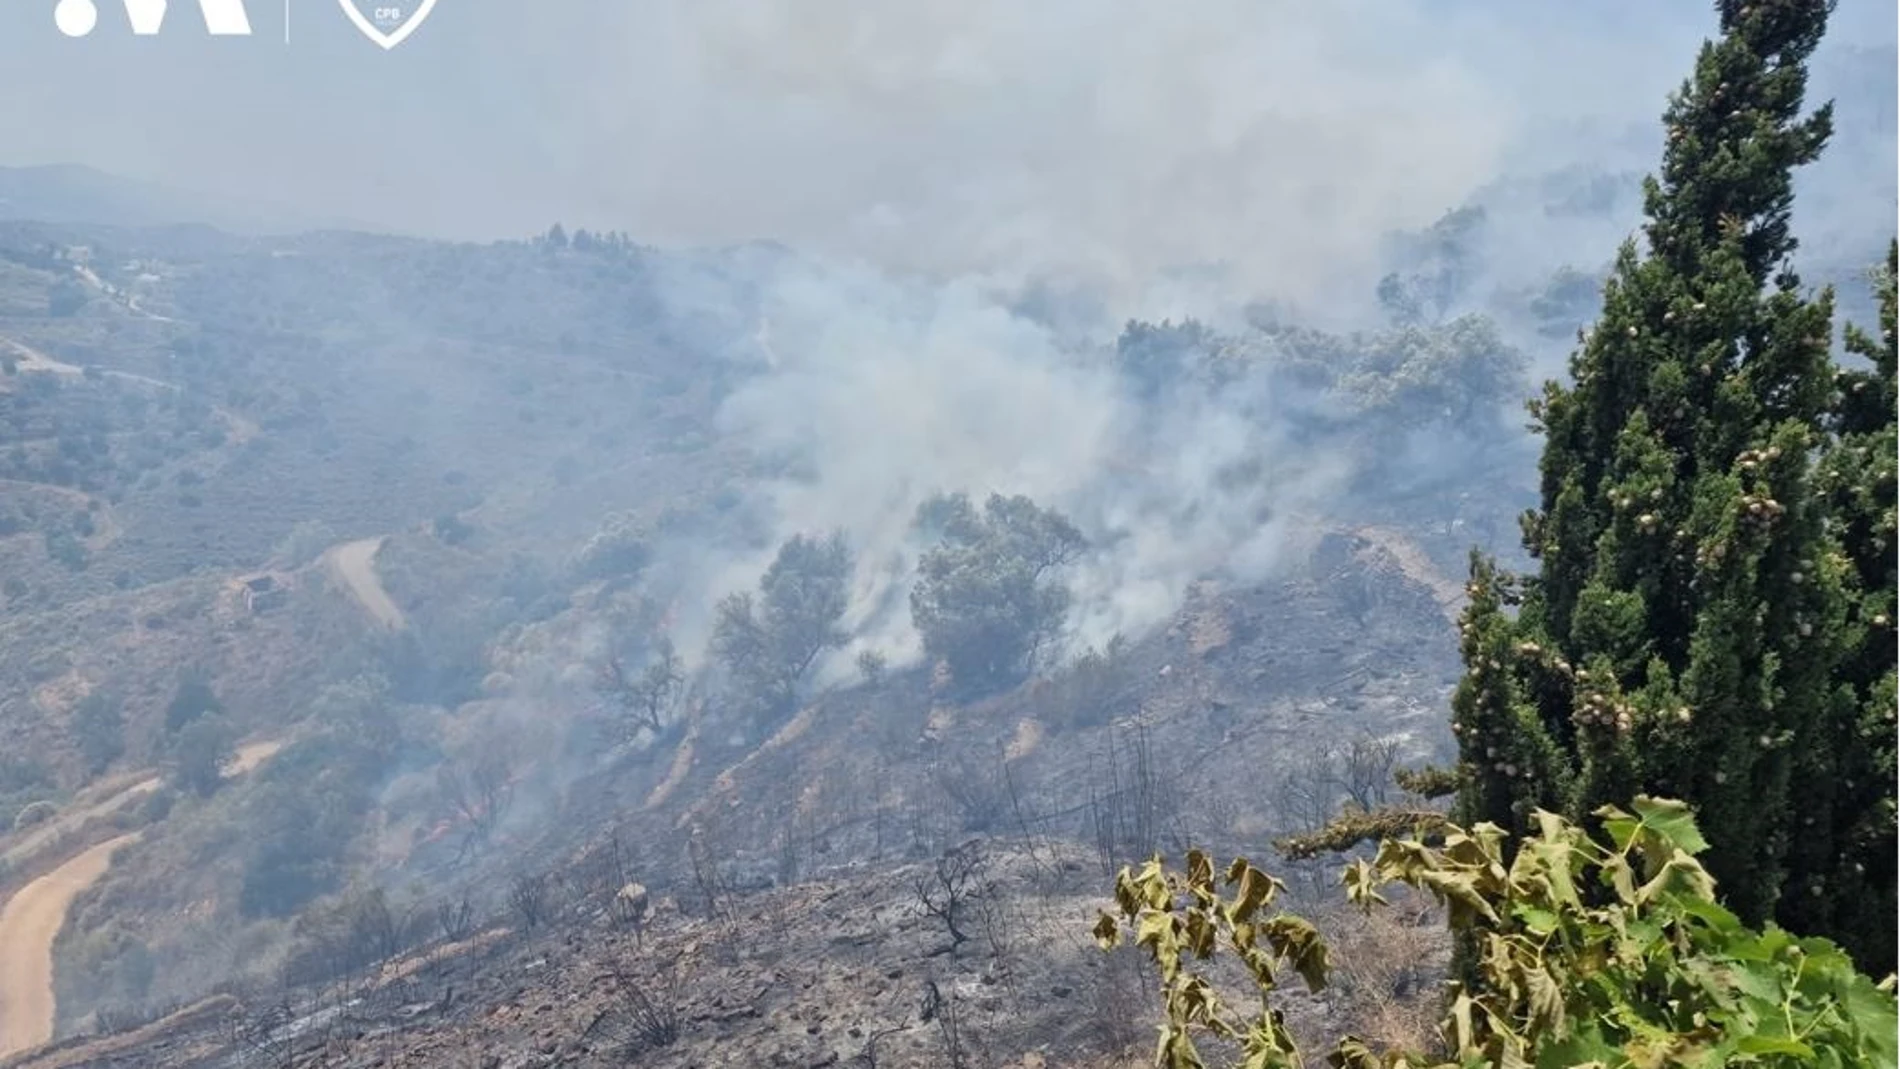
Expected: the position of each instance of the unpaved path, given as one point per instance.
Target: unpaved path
(71, 820)
(125, 298)
(250, 755)
(31, 359)
(29, 924)
(33, 916)
(110, 800)
(354, 563)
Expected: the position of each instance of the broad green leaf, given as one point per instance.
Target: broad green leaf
(1713, 915)
(1621, 826)
(1538, 920)
(1773, 1045)
(1673, 821)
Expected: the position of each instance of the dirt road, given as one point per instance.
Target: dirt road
(33, 916)
(250, 755)
(124, 298)
(29, 924)
(30, 359)
(111, 799)
(71, 820)
(354, 564)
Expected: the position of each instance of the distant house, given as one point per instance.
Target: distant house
(263, 593)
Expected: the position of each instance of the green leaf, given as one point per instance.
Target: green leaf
(1539, 921)
(1773, 1045)
(1673, 821)
(1711, 913)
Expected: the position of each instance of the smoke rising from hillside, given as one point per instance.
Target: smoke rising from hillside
(880, 393)
(1154, 160)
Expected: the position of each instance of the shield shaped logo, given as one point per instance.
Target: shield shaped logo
(387, 22)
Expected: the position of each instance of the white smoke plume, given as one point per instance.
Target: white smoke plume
(878, 392)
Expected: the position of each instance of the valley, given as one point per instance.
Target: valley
(1327, 581)
(462, 744)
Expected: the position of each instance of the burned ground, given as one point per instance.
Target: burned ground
(789, 883)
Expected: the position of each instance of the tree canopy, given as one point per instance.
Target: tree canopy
(989, 594)
(1693, 623)
(769, 642)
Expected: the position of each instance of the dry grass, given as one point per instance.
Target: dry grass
(1388, 965)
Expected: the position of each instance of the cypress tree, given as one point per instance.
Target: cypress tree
(1845, 879)
(1682, 631)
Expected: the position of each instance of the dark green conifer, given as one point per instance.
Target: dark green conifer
(1683, 631)
(1842, 882)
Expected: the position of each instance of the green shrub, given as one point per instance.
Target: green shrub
(158, 805)
(98, 727)
(199, 753)
(37, 813)
(1588, 953)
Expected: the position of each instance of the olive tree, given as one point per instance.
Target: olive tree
(989, 596)
(768, 642)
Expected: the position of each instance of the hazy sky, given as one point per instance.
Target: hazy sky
(1111, 136)
(1098, 140)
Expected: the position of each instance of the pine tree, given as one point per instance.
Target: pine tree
(1687, 615)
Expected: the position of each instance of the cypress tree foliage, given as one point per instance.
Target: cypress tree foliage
(1687, 616)
(1849, 877)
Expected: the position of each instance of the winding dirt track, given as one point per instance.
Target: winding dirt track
(29, 924)
(33, 917)
(31, 359)
(354, 563)
(75, 818)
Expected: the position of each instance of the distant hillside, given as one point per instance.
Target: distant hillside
(68, 193)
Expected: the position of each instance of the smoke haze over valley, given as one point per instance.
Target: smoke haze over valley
(1104, 141)
(418, 470)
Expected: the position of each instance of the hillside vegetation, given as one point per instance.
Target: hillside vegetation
(563, 651)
